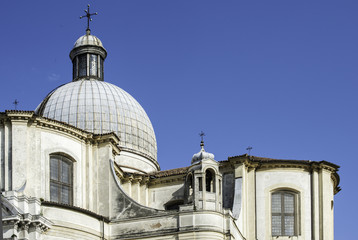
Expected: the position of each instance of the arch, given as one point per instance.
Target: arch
(210, 178)
(190, 180)
(63, 154)
(189, 190)
(212, 169)
(62, 151)
(285, 188)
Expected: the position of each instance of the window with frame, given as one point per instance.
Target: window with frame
(61, 179)
(284, 213)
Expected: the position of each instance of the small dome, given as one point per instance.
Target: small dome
(101, 107)
(197, 157)
(88, 39)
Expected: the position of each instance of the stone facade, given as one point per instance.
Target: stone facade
(109, 203)
(61, 180)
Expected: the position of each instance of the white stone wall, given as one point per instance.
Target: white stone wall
(25, 149)
(25, 153)
(131, 162)
(283, 178)
(69, 224)
(160, 194)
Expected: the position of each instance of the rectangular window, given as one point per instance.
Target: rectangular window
(74, 68)
(60, 179)
(82, 65)
(284, 214)
(101, 68)
(93, 65)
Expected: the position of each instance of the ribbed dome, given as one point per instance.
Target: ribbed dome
(197, 157)
(101, 107)
(86, 40)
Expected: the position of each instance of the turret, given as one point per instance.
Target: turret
(203, 186)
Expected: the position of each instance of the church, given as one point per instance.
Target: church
(83, 165)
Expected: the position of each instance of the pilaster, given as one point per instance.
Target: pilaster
(315, 219)
(19, 156)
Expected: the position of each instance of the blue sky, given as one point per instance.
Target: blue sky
(280, 76)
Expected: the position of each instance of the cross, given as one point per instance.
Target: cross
(88, 16)
(249, 149)
(202, 134)
(15, 103)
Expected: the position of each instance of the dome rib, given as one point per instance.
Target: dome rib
(112, 110)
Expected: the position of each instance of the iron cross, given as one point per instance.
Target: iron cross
(15, 103)
(88, 16)
(249, 149)
(202, 134)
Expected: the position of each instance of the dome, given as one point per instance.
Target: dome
(197, 157)
(101, 107)
(86, 40)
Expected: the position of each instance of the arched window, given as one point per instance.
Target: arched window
(190, 184)
(61, 179)
(284, 213)
(210, 180)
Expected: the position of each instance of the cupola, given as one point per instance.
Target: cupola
(203, 184)
(87, 56)
(197, 157)
(94, 105)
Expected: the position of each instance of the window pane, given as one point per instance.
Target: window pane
(102, 72)
(65, 174)
(54, 189)
(93, 65)
(54, 168)
(82, 65)
(276, 203)
(283, 212)
(65, 195)
(289, 225)
(60, 179)
(276, 225)
(74, 69)
(289, 203)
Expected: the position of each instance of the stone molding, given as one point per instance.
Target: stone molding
(22, 214)
(29, 117)
(257, 163)
(76, 209)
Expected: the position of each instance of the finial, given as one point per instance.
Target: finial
(249, 150)
(202, 134)
(16, 103)
(88, 16)
(202, 155)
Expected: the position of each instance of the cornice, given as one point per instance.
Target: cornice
(336, 179)
(74, 208)
(148, 179)
(170, 179)
(63, 128)
(259, 163)
(19, 114)
(143, 155)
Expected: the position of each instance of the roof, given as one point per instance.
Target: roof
(101, 107)
(86, 40)
(170, 172)
(274, 160)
